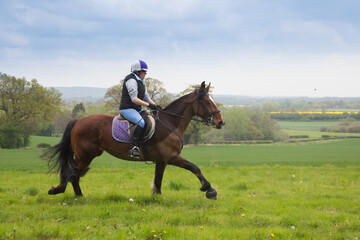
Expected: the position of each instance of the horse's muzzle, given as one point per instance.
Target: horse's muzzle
(219, 124)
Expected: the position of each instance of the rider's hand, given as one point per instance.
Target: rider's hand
(154, 107)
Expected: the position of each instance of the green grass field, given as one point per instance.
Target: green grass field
(279, 191)
(311, 129)
(306, 126)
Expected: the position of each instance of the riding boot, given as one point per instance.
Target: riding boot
(134, 150)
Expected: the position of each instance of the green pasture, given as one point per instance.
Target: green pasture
(311, 129)
(279, 191)
(306, 125)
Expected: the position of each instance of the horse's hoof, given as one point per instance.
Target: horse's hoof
(205, 187)
(211, 194)
(52, 191)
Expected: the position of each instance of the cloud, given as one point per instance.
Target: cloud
(143, 10)
(40, 17)
(255, 47)
(9, 37)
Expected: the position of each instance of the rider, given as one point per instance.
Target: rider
(134, 95)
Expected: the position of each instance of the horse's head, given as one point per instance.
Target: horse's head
(206, 107)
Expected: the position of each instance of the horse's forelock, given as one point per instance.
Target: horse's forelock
(201, 92)
(197, 94)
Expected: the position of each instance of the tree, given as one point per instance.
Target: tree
(270, 106)
(113, 96)
(154, 88)
(78, 110)
(61, 119)
(157, 92)
(23, 107)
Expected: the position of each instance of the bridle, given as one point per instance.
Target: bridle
(210, 115)
(207, 122)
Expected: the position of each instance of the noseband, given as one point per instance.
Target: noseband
(210, 115)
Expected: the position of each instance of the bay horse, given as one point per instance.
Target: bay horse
(86, 138)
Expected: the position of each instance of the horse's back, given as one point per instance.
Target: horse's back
(90, 128)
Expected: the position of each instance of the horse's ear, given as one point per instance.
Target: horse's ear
(202, 91)
(208, 87)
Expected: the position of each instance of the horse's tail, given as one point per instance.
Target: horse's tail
(60, 157)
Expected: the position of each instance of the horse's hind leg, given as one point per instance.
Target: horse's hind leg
(205, 185)
(82, 166)
(81, 169)
(59, 189)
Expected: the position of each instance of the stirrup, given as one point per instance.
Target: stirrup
(134, 152)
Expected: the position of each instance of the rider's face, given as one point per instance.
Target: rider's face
(142, 75)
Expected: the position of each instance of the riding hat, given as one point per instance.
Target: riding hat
(139, 66)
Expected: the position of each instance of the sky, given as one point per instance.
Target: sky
(252, 48)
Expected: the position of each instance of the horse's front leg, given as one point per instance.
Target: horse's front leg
(159, 172)
(179, 161)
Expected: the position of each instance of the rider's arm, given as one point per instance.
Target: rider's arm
(131, 86)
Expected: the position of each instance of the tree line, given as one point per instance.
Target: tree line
(287, 105)
(24, 107)
(27, 108)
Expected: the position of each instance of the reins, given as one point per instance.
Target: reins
(171, 130)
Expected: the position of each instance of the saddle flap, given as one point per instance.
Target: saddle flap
(121, 127)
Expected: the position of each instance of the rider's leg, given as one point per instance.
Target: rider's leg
(134, 116)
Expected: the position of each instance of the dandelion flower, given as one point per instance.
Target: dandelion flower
(243, 215)
(164, 232)
(155, 235)
(201, 227)
(272, 235)
(143, 209)
(28, 218)
(153, 231)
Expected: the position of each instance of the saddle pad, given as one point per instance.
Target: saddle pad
(120, 130)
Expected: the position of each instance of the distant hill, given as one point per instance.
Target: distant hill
(82, 93)
(92, 94)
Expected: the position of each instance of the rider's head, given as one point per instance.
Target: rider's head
(139, 68)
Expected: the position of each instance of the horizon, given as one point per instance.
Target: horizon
(215, 94)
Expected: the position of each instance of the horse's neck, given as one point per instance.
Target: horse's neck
(181, 108)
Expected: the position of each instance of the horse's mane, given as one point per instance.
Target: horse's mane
(190, 97)
(175, 103)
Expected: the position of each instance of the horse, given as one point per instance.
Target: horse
(86, 138)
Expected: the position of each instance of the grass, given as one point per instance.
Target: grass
(311, 129)
(280, 191)
(306, 126)
(35, 140)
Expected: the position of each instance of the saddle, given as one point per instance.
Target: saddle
(122, 129)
